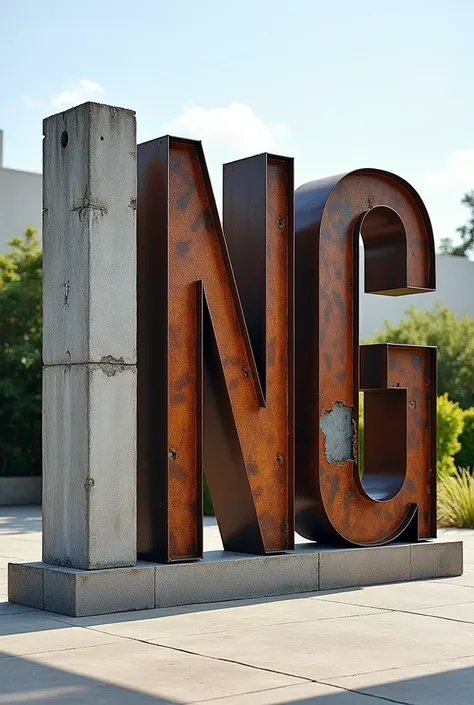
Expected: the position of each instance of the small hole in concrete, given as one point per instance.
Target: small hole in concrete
(64, 139)
(102, 139)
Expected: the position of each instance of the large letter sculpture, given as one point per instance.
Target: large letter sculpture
(215, 365)
(396, 494)
(215, 369)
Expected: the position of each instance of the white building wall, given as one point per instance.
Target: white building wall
(454, 289)
(20, 202)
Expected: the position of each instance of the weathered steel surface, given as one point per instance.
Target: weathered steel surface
(220, 397)
(331, 503)
(399, 382)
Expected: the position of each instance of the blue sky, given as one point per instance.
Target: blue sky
(335, 85)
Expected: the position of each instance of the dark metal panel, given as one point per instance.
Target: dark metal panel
(385, 443)
(152, 349)
(246, 237)
(223, 460)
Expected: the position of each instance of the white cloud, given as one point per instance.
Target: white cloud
(458, 173)
(235, 127)
(79, 92)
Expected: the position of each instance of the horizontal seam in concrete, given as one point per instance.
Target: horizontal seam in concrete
(280, 673)
(245, 628)
(381, 698)
(247, 692)
(395, 609)
(449, 604)
(15, 613)
(225, 660)
(398, 668)
(438, 616)
(13, 559)
(361, 692)
(55, 651)
(458, 584)
(89, 363)
(94, 627)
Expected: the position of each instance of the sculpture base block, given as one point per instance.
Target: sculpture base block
(225, 576)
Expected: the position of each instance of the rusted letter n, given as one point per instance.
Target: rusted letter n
(215, 369)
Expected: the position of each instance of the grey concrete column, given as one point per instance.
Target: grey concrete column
(89, 338)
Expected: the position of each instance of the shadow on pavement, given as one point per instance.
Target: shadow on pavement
(20, 520)
(23, 680)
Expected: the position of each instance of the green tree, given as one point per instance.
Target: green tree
(466, 233)
(454, 338)
(20, 357)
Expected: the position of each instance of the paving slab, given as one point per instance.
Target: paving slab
(219, 617)
(442, 683)
(405, 596)
(141, 669)
(467, 579)
(463, 612)
(16, 548)
(7, 608)
(305, 694)
(28, 633)
(337, 647)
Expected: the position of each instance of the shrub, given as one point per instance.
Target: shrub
(465, 457)
(450, 424)
(361, 434)
(208, 509)
(20, 357)
(456, 500)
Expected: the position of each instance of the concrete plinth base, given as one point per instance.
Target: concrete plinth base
(227, 576)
